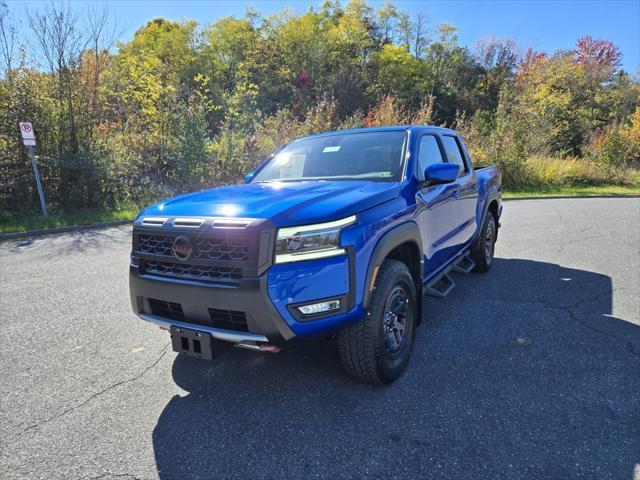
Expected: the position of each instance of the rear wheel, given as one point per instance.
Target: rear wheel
(377, 349)
(484, 246)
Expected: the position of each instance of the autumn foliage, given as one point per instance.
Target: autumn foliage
(183, 106)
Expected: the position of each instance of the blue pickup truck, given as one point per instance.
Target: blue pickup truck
(338, 234)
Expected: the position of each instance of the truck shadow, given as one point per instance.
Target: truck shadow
(519, 373)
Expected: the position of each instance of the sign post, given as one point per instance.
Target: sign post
(29, 140)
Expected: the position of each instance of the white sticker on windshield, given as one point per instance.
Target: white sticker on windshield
(330, 149)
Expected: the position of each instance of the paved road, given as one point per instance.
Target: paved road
(530, 371)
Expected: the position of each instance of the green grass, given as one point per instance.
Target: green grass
(573, 190)
(11, 223)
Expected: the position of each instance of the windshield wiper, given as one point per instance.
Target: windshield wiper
(369, 175)
(282, 180)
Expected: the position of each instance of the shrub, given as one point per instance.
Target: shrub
(388, 112)
(188, 150)
(559, 172)
(321, 117)
(613, 151)
(233, 154)
(616, 148)
(424, 116)
(356, 120)
(631, 134)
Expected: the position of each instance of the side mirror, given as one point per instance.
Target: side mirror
(248, 177)
(438, 173)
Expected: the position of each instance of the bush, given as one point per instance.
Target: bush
(615, 150)
(612, 153)
(560, 172)
(188, 151)
(388, 112)
(233, 154)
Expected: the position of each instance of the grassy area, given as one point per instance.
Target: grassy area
(575, 190)
(10, 223)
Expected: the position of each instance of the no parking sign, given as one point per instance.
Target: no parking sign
(29, 140)
(28, 135)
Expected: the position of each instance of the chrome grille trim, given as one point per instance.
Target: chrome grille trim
(190, 271)
(154, 221)
(196, 222)
(229, 223)
(189, 222)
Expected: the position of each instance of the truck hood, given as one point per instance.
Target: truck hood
(285, 203)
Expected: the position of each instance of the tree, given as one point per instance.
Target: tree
(61, 45)
(601, 58)
(498, 58)
(420, 31)
(149, 78)
(8, 40)
(402, 75)
(454, 73)
(387, 20)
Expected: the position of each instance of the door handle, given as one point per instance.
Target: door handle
(456, 194)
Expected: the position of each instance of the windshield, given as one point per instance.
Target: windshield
(370, 156)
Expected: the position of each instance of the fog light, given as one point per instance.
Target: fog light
(320, 307)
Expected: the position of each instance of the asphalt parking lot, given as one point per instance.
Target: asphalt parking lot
(529, 371)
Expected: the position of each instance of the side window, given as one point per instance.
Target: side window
(452, 149)
(428, 153)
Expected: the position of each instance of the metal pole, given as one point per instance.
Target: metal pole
(38, 184)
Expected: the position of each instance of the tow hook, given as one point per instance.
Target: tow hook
(267, 347)
(259, 347)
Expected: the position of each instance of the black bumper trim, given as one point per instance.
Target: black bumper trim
(250, 296)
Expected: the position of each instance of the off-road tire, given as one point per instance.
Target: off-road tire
(484, 246)
(363, 347)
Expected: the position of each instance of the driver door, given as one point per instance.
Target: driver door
(436, 206)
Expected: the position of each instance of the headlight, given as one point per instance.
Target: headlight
(310, 241)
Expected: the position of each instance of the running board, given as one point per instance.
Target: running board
(440, 287)
(464, 265)
(443, 283)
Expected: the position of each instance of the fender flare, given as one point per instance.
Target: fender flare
(405, 232)
(491, 196)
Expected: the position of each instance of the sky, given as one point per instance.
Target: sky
(543, 25)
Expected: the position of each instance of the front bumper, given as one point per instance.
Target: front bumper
(268, 302)
(196, 300)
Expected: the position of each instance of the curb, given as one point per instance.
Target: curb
(57, 230)
(562, 197)
(95, 226)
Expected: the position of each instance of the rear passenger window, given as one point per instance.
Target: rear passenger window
(452, 149)
(428, 153)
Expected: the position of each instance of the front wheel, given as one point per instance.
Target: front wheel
(377, 349)
(484, 246)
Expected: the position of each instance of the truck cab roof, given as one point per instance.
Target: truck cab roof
(392, 128)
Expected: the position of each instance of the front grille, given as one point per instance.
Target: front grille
(206, 273)
(168, 310)
(229, 319)
(222, 250)
(203, 248)
(156, 244)
(219, 249)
